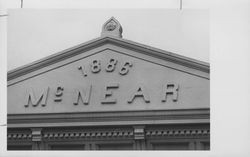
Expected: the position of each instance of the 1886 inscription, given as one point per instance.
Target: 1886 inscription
(83, 96)
(97, 66)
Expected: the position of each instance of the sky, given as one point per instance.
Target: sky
(34, 34)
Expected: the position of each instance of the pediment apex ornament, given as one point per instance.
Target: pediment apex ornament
(112, 28)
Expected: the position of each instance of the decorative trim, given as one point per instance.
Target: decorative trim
(112, 27)
(178, 132)
(87, 134)
(19, 136)
(139, 133)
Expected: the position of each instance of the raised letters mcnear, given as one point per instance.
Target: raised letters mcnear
(83, 95)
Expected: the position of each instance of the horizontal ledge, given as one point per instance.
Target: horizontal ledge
(111, 113)
(110, 118)
(78, 124)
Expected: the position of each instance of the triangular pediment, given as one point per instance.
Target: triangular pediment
(110, 74)
(99, 42)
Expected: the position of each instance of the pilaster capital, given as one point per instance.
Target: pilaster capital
(139, 132)
(36, 134)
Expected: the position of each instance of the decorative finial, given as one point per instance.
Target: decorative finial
(112, 28)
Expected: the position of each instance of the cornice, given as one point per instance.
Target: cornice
(57, 57)
(19, 136)
(178, 132)
(184, 116)
(162, 54)
(88, 134)
(144, 49)
(115, 132)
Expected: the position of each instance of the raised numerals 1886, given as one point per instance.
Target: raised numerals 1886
(96, 66)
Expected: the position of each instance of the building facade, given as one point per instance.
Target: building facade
(110, 94)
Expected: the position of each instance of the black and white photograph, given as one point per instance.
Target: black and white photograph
(112, 80)
(109, 93)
